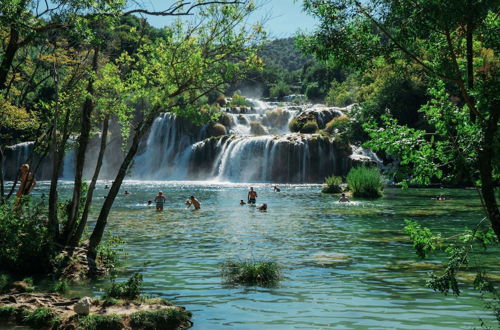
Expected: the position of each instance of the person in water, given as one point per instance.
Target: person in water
(263, 207)
(28, 181)
(276, 189)
(160, 200)
(242, 202)
(252, 196)
(193, 201)
(441, 197)
(343, 199)
(150, 202)
(126, 192)
(106, 187)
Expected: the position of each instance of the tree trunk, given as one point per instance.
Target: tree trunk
(8, 58)
(53, 219)
(2, 186)
(486, 170)
(83, 141)
(88, 200)
(470, 63)
(97, 233)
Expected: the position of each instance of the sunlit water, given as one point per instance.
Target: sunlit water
(346, 266)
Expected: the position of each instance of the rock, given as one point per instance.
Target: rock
(82, 307)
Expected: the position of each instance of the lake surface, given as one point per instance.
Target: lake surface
(345, 266)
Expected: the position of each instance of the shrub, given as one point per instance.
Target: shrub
(168, 318)
(60, 286)
(129, 290)
(295, 125)
(263, 273)
(280, 90)
(239, 101)
(5, 281)
(24, 242)
(332, 185)
(309, 127)
(107, 251)
(365, 182)
(221, 100)
(101, 322)
(217, 130)
(256, 128)
(340, 124)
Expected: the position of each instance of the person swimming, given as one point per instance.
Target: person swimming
(441, 197)
(149, 203)
(343, 199)
(242, 202)
(126, 192)
(159, 200)
(193, 201)
(277, 189)
(263, 207)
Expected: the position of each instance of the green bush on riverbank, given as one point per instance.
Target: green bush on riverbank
(249, 272)
(365, 182)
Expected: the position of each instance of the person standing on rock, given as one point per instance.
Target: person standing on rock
(252, 196)
(160, 200)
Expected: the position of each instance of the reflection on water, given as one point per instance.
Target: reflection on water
(346, 266)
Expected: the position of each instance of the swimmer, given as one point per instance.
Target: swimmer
(263, 207)
(252, 196)
(106, 187)
(150, 202)
(159, 200)
(193, 201)
(242, 202)
(343, 199)
(126, 192)
(276, 189)
(441, 197)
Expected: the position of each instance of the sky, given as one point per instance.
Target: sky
(284, 17)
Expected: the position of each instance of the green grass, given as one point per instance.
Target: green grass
(332, 185)
(366, 182)
(41, 316)
(129, 290)
(100, 322)
(262, 273)
(168, 318)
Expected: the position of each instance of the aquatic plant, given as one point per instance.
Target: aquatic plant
(130, 290)
(167, 318)
(239, 101)
(332, 185)
(365, 182)
(251, 272)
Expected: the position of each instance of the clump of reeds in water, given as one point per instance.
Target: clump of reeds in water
(251, 272)
(365, 182)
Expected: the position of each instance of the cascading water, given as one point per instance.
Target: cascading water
(258, 147)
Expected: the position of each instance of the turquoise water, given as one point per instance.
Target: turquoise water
(345, 266)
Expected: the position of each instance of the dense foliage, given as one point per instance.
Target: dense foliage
(365, 182)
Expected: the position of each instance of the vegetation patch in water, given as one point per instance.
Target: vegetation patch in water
(365, 182)
(332, 185)
(251, 272)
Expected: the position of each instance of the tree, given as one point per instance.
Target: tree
(174, 72)
(454, 42)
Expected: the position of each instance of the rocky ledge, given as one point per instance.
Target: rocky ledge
(52, 311)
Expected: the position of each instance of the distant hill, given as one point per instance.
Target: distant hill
(283, 53)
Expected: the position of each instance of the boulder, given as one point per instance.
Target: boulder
(82, 307)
